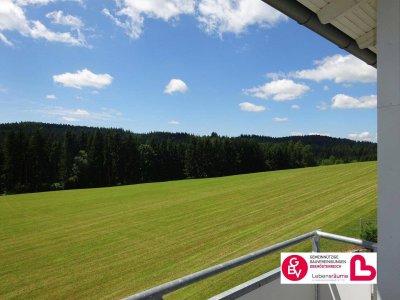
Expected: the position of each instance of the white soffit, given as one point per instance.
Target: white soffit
(356, 18)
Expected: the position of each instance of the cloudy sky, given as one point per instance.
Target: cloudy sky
(198, 66)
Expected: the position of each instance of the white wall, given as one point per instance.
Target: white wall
(388, 31)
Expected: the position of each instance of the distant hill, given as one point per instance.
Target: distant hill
(40, 156)
(57, 131)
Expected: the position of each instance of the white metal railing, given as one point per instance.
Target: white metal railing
(158, 292)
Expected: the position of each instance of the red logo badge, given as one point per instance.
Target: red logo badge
(359, 270)
(294, 267)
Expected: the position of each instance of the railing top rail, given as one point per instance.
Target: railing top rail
(348, 240)
(158, 291)
(174, 285)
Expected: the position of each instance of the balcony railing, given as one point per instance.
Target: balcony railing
(158, 292)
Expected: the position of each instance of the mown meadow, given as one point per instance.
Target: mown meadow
(113, 242)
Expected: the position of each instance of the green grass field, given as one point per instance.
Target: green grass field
(113, 242)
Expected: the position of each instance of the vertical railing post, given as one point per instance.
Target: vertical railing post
(316, 243)
(316, 247)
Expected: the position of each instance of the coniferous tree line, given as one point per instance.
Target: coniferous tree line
(41, 157)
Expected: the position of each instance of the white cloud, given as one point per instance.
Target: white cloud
(110, 112)
(39, 31)
(296, 133)
(133, 31)
(280, 120)
(33, 2)
(276, 75)
(130, 14)
(80, 98)
(176, 86)
(235, 16)
(279, 90)
(83, 78)
(247, 106)
(214, 16)
(320, 133)
(79, 114)
(342, 101)
(323, 105)
(174, 122)
(5, 40)
(362, 136)
(51, 97)
(43, 2)
(295, 106)
(58, 17)
(326, 88)
(12, 18)
(59, 111)
(339, 68)
(69, 119)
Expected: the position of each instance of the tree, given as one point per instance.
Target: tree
(15, 169)
(80, 170)
(54, 155)
(231, 158)
(96, 159)
(251, 156)
(131, 165)
(147, 162)
(38, 162)
(194, 162)
(68, 152)
(1, 169)
(308, 157)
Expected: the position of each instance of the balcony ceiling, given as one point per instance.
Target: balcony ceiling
(356, 18)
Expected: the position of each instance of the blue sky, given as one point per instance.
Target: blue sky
(198, 66)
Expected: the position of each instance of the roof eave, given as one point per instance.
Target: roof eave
(309, 19)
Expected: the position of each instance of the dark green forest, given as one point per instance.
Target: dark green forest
(41, 157)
